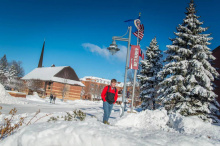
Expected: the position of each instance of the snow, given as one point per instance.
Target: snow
(133, 129)
(104, 81)
(44, 73)
(34, 97)
(150, 120)
(72, 82)
(48, 74)
(6, 98)
(96, 79)
(22, 93)
(194, 125)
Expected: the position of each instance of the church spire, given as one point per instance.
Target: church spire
(41, 56)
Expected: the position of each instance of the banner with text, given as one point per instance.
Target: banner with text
(134, 57)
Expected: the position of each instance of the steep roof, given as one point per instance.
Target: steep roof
(216, 50)
(54, 74)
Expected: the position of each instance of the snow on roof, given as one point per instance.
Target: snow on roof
(96, 78)
(67, 81)
(44, 73)
(101, 80)
(48, 73)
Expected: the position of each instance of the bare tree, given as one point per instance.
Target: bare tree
(64, 90)
(92, 90)
(17, 84)
(82, 92)
(130, 78)
(99, 90)
(35, 85)
(89, 90)
(65, 87)
(86, 91)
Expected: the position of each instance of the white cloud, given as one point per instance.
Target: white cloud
(120, 55)
(96, 49)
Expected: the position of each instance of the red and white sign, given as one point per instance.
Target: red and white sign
(134, 57)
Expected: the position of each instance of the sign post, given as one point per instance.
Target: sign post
(134, 61)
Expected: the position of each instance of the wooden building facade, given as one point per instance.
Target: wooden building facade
(59, 81)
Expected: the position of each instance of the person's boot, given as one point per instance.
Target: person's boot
(108, 123)
(105, 122)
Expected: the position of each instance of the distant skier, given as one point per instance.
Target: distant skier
(109, 96)
(51, 98)
(54, 98)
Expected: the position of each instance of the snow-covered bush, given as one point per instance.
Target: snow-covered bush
(75, 116)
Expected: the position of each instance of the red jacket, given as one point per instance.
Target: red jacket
(104, 91)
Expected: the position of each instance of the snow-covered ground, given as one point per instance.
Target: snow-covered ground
(5, 97)
(146, 128)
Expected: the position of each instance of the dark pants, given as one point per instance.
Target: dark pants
(107, 111)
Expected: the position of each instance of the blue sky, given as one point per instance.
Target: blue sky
(77, 32)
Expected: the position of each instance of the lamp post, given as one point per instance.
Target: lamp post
(113, 48)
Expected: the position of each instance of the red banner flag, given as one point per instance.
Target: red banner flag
(134, 57)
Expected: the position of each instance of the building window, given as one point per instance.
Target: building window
(49, 85)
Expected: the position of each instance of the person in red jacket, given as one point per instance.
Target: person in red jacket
(109, 96)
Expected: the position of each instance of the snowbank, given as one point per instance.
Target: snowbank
(147, 128)
(6, 98)
(35, 97)
(193, 125)
(94, 133)
(145, 120)
(158, 119)
(90, 133)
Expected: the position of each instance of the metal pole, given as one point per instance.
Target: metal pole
(134, 83)
(133, 93)
(126, 69)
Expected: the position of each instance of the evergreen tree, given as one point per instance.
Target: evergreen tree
(3, 70)
(148, 75)
(18, 67)
(188, 76)
(11, 74)
(3, 63)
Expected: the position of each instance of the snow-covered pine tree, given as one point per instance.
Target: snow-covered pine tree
(18, 67)
(3, 62)
(3, 70)
(151, 65)
(188, 76)
(12, 72)
(11, 76)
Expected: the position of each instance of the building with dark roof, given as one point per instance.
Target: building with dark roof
(61, 81)
(216, 64)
